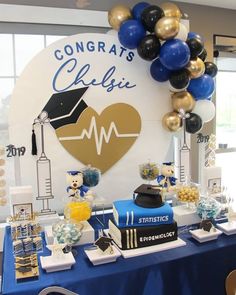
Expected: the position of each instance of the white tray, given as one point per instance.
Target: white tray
(51, 264)
(228, 228)
(204, 236)
(151, 249)
(97, 258)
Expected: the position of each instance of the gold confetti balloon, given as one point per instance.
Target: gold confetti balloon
(196, 68)
(167, 27)
(172, 121)
(117, 15)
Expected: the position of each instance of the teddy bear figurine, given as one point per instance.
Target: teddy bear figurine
(166, 178)
(76, 189)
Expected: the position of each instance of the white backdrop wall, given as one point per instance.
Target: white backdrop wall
(150, 98)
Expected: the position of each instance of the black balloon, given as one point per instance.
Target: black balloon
(203, 55)
(211, 69)
(196, 46)
(193, 123)
(149, 47)
(150, 15)
(179, 79)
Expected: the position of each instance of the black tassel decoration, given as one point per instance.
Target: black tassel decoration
(34, 145)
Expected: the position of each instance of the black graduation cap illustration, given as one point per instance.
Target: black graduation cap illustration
(65, 107)
(148, 196)
(103, 243)
(61, 109)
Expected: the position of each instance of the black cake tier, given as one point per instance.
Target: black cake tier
(138, 237)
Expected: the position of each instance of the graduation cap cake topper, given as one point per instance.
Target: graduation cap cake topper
(148, 196)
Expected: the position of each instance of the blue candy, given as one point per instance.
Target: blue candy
(208, 208)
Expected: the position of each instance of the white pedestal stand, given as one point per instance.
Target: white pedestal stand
(58, 260)
(228, 228)
(185, 216)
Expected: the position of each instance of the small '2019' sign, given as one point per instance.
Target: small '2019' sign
(12, 151)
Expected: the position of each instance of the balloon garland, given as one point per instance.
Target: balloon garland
(177, 56)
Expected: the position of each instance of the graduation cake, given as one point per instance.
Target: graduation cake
(143, 221)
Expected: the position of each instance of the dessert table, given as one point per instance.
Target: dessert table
(197, 268)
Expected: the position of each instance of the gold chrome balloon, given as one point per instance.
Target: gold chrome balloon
(172, 121)
(196, 68)
(3, 201)
(167, 27)
(2, 193)
(171, 9)
(2, 182)
(117, 15)
(183, 100)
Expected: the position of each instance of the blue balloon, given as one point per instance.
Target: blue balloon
(131, 33)
(138, 9)
(192, 35)
(174, 54)
(202, 87)
(159, 72)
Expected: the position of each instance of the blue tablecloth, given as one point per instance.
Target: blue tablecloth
(190, 270)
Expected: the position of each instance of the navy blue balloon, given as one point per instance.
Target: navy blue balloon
(138, 9)
(202, 87)
(159, 72)
(131, 33)
(192, 35)
(174, 54)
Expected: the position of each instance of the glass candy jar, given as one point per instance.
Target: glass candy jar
(91, 176)
(77, 211)
(67, 232)
(188, 193)
(148, 171)
(208, 208)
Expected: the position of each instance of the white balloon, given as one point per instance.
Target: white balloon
(185, 22)
(112, 33)
(183, 33)
(205, 109)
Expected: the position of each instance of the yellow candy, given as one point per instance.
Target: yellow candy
(188, 194)
(77, 211)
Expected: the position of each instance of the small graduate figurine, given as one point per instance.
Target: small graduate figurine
(166, 179)
(76, 189)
